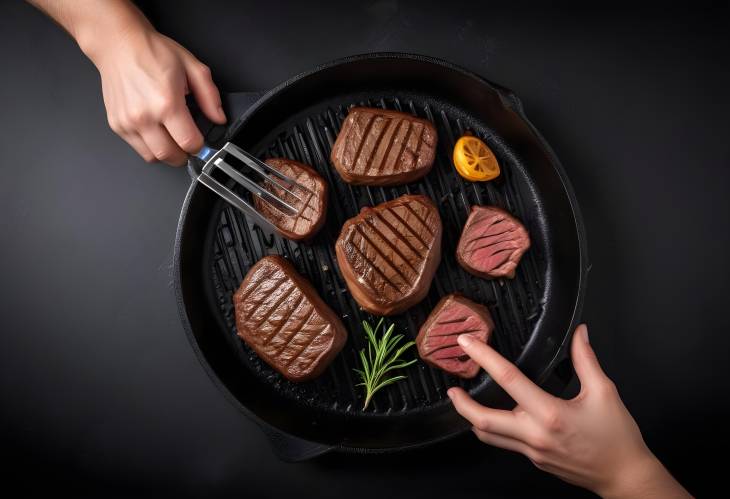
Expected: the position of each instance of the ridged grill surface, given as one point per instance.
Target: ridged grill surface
(515, 304)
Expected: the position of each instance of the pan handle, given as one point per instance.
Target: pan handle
(292, 449)
(508, 98)
(234, 105)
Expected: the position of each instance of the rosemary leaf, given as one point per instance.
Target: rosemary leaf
(383, 356)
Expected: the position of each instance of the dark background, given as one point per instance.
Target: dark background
(100, 392)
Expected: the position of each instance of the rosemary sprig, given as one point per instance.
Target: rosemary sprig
(381, 358)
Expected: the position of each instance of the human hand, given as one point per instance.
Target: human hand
(145, 77)
(591, 441)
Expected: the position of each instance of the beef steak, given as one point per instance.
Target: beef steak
(282, 318)
(311, 210)
(492, 243)
(452, 316)
(388, 254)
(382, 147)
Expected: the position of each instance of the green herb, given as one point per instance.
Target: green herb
(381, 358)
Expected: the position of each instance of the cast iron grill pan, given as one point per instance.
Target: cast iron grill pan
(534, 313)
(238, 242)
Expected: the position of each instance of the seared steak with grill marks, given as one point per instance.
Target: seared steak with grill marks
(311, 210)
(388, 254)
(436, 341)
(492, 243)
(382, 147)
(282, 318)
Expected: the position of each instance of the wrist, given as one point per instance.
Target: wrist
(95, 39)
(633, 476)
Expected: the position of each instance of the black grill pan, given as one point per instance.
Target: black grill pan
(534, 313)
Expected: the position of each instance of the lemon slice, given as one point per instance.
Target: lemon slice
(474, 160)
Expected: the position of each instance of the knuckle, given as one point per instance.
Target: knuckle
(536, 457)
(137, 116)
(606, 389)
(191, 143)
(482, 423)
(590, 355)
(114, 124)
(507, 375)
(553, 420)
(165, 105)
(203, 70)
(539, 442)
(125, 124)
(164, 154)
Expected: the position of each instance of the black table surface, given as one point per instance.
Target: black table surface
(100, 391)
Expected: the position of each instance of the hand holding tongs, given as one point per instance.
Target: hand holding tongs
(216, 160)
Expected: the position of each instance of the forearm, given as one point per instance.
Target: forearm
(93, 23)
(145, 76)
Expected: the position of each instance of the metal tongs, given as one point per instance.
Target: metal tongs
(216, 160)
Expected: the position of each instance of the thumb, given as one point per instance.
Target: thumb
(204, 90)
(584, 359)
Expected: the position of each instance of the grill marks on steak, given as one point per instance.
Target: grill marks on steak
(383, 147)
(311, 210)
(492, 243)
(452, 316)
(282, 318)
(388, 254)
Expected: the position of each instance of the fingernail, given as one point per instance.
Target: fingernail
(221, 113)
(464, 340)
(583, 331)
(450, 393)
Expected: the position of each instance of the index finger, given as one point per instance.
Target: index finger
(526, 393)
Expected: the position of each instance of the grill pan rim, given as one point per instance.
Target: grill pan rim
(514, 103)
